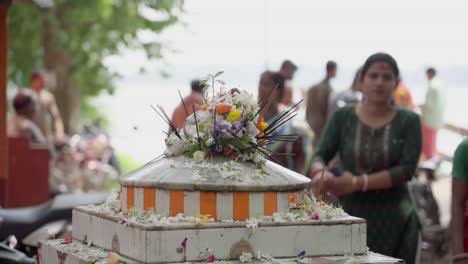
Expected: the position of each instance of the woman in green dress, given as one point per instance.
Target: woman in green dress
(379, 145)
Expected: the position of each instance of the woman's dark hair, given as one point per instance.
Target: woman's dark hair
(22, 100)
(357, 77)
(278, 80)
(381, 57)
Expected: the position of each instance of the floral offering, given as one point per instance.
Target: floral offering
(229, 123)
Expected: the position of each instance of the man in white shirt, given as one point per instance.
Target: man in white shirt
(433, 112)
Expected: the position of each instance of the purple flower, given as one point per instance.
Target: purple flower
(221, 127)
(237, 128)
(301, 254)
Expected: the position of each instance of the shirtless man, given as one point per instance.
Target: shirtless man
(47, 111)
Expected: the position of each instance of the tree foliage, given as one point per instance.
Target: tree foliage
(86, 31)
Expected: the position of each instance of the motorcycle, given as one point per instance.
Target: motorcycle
(22, 228)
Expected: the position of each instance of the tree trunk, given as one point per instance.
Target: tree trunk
(66, 94)
(57, 61)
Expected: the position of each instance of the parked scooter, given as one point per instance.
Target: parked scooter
(23, 228)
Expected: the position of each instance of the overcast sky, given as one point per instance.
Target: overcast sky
(417, 32)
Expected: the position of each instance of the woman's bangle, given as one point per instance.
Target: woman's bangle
(366, 182)
(354, 182)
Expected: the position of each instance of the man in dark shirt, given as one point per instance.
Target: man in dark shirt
(318, 100)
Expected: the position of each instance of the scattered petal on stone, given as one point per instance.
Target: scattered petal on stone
(67, 240)
(252, 223)
(211, 258)
(113, 258)
(184, 243)
(301, 254)
(316, 216)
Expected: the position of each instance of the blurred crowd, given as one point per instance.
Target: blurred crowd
(362, 146)
(81, 162)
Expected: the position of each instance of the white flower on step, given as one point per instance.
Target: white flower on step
(265, 257)
(278, 218)
(245, 257)
(199, 156)
(252, 223)
(290, 216)
(164, 221)
(197, 177)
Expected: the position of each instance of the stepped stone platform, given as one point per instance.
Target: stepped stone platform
(176, 210)
(56, 252)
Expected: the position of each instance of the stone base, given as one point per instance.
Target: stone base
(54, 252)
(162, 243)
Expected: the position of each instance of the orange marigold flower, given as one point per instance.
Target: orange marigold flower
(261, 124)
(260, 120)
(222, 109)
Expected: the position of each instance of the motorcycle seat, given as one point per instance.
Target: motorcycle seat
(22, 221)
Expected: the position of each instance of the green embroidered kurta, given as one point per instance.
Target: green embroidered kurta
(392, 223)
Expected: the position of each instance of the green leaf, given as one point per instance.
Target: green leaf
(218, 74)
(81, 35)
(204, 82)
(221, 82)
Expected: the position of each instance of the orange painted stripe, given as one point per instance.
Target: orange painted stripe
(208, 203)
(130, 198)
(270, 203)
(149, 198)
(241, 205)
(176, 202)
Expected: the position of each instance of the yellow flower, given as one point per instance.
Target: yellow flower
(234, 115)
(263, 125)
(204, 218)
